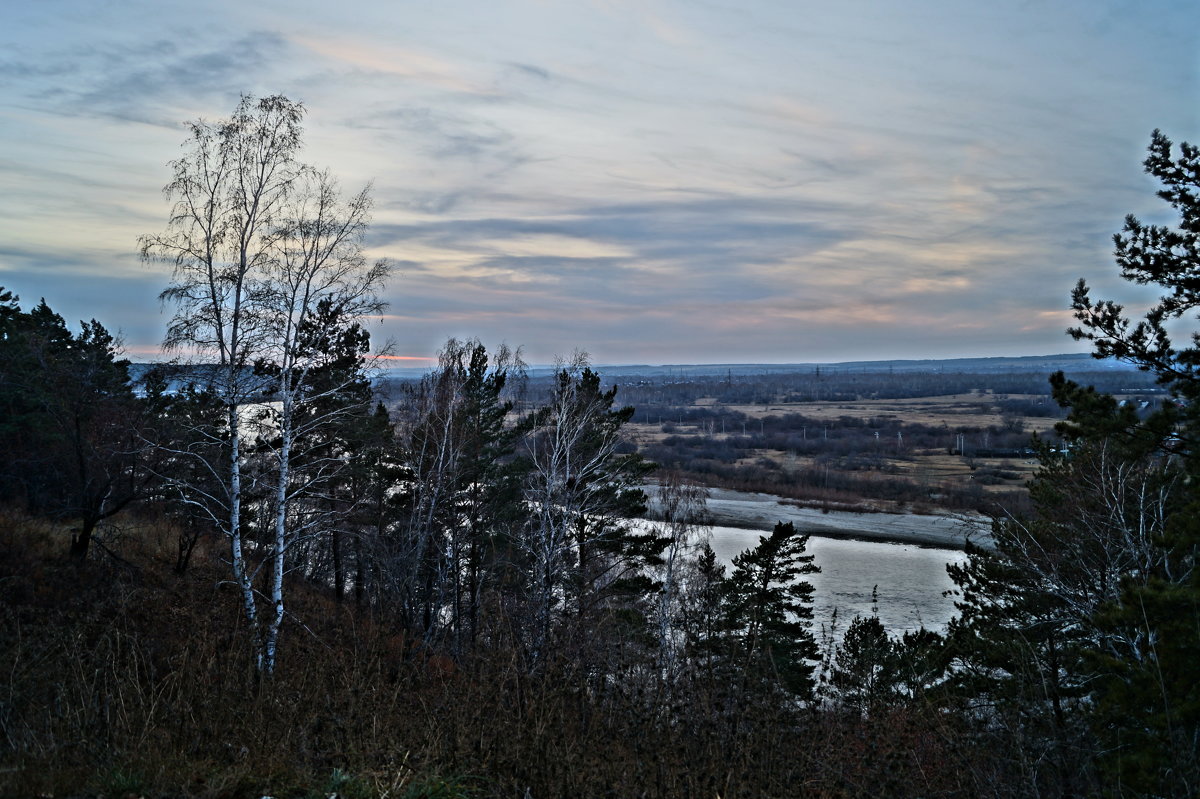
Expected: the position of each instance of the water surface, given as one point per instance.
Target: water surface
(911, 579)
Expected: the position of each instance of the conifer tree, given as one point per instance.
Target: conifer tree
(70, 425)
(1147, 691)
(769, 611)
(867, 666)
(462, 492)
(1076, 628)
(583, 558)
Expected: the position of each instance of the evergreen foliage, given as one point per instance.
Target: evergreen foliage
(1146, 686)
(583, 558)
(1079, 628)
(512, 612)
(71, 428)
(866, 667)
(768, 610)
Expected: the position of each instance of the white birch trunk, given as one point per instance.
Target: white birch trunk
(257, 241)
(242, 575)
(279, 554)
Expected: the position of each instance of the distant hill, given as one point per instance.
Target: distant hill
(1072, 362)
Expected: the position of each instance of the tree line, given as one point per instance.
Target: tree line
(845, 459)
(653, 396)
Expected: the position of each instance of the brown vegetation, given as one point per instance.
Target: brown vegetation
(122, 677)
(966, 451)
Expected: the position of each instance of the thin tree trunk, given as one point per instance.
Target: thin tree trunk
(82, 541)
(339, 573)
(241, 574)
(281, 530)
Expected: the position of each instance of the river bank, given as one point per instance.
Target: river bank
(754, 511)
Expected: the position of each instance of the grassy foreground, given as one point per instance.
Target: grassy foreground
(120, 678)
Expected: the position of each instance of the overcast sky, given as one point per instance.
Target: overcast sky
(649, 181)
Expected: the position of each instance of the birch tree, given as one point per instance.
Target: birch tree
(582, 553)
(683, 521)
(461, 492)
(316, 286)
(262, 246)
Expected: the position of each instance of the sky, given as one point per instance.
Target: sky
(648, 181)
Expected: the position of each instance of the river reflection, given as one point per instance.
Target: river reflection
(911, 579)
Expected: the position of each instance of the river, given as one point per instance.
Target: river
(911, 579)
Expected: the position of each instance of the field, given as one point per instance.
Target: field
(936, 468)
(901, 438)
(878, 442)
(975, 409)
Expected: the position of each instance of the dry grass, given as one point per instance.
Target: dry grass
(121, 678)
(953, 410)
(933, 469)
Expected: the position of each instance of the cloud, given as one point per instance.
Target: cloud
(29, 70)
(126, 302)
(646, 180)
(370, 55)
(146, 82)
(633, 257)
(531, 70)
(446, 135)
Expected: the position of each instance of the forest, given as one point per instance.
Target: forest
(255, 572)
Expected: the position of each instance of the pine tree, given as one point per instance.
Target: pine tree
(461, 495)
(1080, 627)
(584, 559)
(70, 424)
(768, 611)
(1147, 690)
(866, 667)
